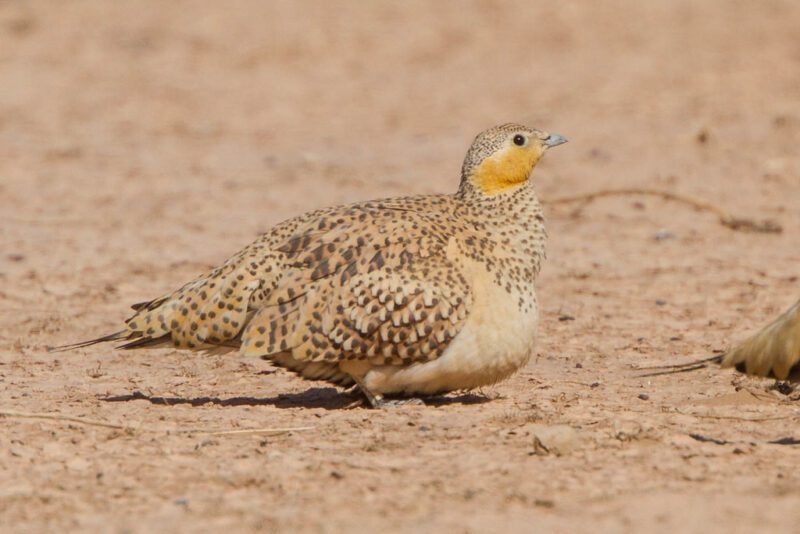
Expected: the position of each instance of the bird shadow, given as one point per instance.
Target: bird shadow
(326, 398)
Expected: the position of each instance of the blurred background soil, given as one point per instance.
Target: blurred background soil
(142, 142)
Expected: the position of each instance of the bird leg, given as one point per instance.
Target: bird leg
(375, 399)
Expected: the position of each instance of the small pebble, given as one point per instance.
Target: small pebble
(579, 365)
(644, 396)
(553, 439)
(660, 302)
(663, 234)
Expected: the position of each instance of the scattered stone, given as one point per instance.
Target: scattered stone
(566, 317)
(78, 464)
(784, 387)
(663, 235)
(660, 302)
(553, 439)
(779, 121)
(206, 443)
(644, 396)
(579, 365)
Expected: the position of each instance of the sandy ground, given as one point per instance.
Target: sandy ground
(142, 142)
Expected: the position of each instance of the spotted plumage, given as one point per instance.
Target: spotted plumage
(774, 350)
(414, 295)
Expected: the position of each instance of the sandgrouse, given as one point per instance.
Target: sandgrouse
(406, 296)
(774, 350)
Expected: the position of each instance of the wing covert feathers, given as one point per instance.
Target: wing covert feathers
(384, 316)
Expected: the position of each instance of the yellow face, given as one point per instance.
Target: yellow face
(512, 163)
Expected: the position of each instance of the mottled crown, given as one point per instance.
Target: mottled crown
(489, 142)
(501, 159)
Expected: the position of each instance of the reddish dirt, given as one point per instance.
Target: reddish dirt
(141, 143)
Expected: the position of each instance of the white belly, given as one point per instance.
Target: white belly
(496, 340)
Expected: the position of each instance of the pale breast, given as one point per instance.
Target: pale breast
(495, 341)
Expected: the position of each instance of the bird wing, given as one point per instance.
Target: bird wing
(322, 278)
(775, 348)
(383, 312)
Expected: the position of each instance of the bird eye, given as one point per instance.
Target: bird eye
(520, 140)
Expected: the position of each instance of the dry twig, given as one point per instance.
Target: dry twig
(131, 429)
(59, 417)
(726, 219)
(736, 418)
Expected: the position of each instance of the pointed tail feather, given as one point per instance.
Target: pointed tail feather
(676, 368)
(166, 341)
(772, 351)
(116, 336)
(147, 342)
(136, 341)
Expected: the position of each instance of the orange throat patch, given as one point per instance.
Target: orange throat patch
(503, 172)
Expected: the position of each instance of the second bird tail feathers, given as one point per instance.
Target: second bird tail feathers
(772, 351)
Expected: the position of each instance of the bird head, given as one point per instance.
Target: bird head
(502, 158)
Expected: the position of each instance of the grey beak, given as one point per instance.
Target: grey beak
(554, 140)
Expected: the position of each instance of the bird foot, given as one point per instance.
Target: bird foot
(394, 403)
(376, 400)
